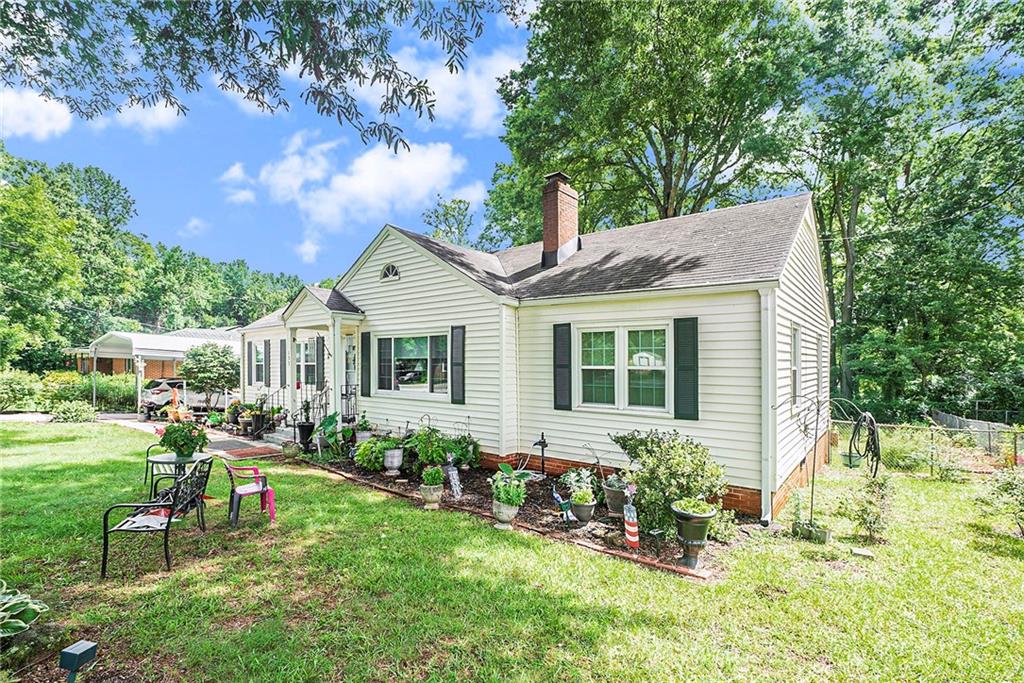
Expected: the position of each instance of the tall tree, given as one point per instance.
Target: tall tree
(97, 56)
(450, 220)
(654, 109)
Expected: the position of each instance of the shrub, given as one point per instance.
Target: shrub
(430, 445)
(905, 450)
(433, 476)
(1005, 496)
(509, 486)
(73, 411)
(368, 456)
(17, 611)
(209, 369)
(869, 508)
(113, 392)
(667, 467)
(17, 387)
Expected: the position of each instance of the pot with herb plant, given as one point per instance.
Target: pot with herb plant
(305, 426)
(391, 453)
(693, 517)
(583, 504)
(232, 411)
(508, 489)
(614, 488)
(364, 429)
(465, 451)
(432, 487)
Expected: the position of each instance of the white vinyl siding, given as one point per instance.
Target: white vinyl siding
(800, 305)
(509, 379)
(427, 300)
(271, 379)
(729, 371)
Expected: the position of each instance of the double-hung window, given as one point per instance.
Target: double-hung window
(305, 362)
(624, 367)
(258, 364)
(794, 366)
(413, 363)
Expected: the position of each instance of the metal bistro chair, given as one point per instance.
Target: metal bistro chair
(259, 485)
(169, 505)
(154, 469)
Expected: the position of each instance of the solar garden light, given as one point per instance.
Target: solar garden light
(74, 657)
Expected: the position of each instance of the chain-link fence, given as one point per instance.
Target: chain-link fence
(936, 450)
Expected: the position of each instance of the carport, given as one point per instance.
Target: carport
(157, 351)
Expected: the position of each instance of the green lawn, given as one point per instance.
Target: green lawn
(351, 584)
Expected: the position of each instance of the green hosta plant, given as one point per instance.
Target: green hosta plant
(433, 476)
(17, 611)
(73, 411)
(509, 486)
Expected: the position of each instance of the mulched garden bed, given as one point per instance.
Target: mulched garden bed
(539, 514)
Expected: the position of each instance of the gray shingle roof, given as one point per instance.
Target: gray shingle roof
(334, 300)
(218, 333)
(744, 243)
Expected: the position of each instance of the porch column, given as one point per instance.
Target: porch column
(338, 365)
(241, 369)
(292, 379)
(94, 379)
(140, 376)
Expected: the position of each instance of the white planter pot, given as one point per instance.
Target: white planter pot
(431, 496)
(392, 461)
(504, 513)
(363, 436)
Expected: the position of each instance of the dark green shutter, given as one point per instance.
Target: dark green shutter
(283, 363)
(364, 364)
(248, 364)
(458, 369)
(563, 366)
(385, 367)
(686, 375)
(266, 362)
(319, 363)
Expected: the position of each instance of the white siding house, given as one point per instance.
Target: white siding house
(686, 323)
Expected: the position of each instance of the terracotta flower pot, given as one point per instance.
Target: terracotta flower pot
(431, 496)
(504, 513)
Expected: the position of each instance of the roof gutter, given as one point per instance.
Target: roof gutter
(725, 287)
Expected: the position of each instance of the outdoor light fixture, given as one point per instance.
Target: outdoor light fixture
(76, 656)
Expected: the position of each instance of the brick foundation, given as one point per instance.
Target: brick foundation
(801, 474)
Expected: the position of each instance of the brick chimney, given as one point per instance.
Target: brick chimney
(561, 222)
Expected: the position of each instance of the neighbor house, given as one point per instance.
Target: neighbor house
(713, 324)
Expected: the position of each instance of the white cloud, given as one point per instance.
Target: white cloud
(27, 113)
(149, 120)
(375, 185)
(194, 228)
(235, 174)
(467, 99)
(240, 196)
(474, 193)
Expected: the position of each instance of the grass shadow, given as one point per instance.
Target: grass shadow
(993, 542)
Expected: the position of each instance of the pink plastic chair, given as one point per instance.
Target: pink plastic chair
(259, 485)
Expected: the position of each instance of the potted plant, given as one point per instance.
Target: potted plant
(693, 517)
(245, 421)
(369, 457)
(583, 504)
(431, 446)
(852, 460)
(391, 450)
(306, 426)
(183, 438)
(432, 487)
(614, 488)
(232, 411)
(364, 429)
(508, 489)
(291, 449)
(817, 533)
(465, 451)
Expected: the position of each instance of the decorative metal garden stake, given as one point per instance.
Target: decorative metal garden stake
(74, 657)
(632, 531)
(563, 505)
(452, 472)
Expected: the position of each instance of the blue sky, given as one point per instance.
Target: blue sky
(292, 191)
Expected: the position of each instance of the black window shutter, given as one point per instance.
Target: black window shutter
(563, 366)
(248, 364)
(283, 363)
(384, 370)
(266, 362)
(364, 364)
(458, 369)
(319, 363)
(686, 375)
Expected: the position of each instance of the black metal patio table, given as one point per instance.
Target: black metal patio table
(180, 464)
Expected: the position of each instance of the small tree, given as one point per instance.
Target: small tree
(451, 220)
(1005, 496)
(210, 368)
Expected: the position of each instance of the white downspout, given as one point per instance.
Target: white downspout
(241, 371)
(335, 360)
(769, 381)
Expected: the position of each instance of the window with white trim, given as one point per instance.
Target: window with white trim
(417, 363)
(258, 364)
(794, 365)
(305, 362)
(389, 272)
(624, 367)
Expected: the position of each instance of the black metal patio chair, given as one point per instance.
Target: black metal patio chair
(170, 504)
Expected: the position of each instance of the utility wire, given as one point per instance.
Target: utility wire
(64, 304)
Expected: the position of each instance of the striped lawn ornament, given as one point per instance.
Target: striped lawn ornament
(632, 531)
